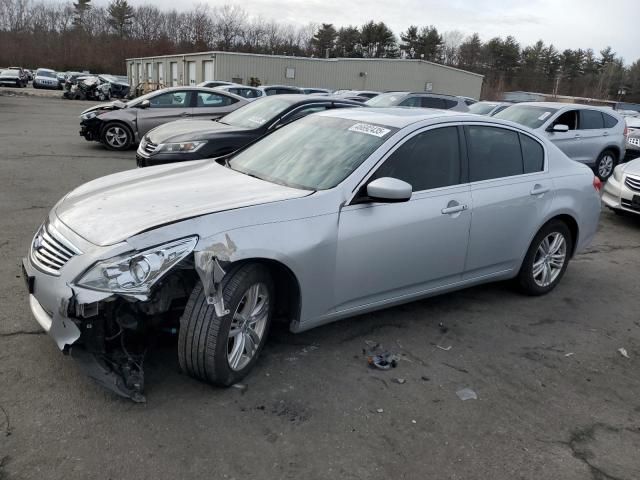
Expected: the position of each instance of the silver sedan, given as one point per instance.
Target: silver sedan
(340, 213)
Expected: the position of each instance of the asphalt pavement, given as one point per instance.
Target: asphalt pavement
(555, 397)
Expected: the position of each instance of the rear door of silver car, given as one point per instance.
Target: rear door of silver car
(511, 191)
(213, 105)
(164, 108)
(592, 135)
(389, 250)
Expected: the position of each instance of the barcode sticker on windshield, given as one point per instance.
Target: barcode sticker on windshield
(258, 120)
(544, 115)
(369, 129)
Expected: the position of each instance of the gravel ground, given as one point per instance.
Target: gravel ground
(556, 400)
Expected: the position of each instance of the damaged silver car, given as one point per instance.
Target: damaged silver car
(337, 214)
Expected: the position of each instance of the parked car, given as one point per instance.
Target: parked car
(250, 93)
(419, 99)
(488, 108)
(357, 93)
(87, 87)
(214, 83)
(340, 213)
(119, 125)
(316, 91)
(13, 77)
(46, 78)
(192, 140)
(633, 137)
(281, 90)
(118, 86)
(622, 190)
(594, 136)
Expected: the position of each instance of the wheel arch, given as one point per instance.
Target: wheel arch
(570, 222)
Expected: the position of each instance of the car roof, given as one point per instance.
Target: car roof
(397, 117)
(205, 89)
(46, 70)
(281, 86)
(297, 98)
(562, 105)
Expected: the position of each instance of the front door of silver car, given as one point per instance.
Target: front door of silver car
(570, 141)
(508, 184)
(389, 250)
(162, 108)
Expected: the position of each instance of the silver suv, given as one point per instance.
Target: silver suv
(419, 99)
(590, 135)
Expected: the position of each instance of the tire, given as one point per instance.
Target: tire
(533, 283)
(605, 164)
(116, 136)
(205, 349)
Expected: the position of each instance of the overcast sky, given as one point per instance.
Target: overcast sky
(565, 23)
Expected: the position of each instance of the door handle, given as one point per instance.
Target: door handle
(538, 190)
(454, 207)
(185, 114)
(577, 135)
(604, 134)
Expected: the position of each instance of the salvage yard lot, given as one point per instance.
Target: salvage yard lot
(556, 400)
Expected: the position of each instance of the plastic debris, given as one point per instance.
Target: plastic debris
(399, 380)
(425, 378)
(623, 352)
(413, 421)
(383, 361)
(380, 410)
(568, 354)
(466, 394)
(446, 349)
(240, 386)
(371, 344)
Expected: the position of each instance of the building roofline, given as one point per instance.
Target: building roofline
(213, 53)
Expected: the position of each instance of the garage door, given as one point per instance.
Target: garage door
(174, 74)
(161, 73)
(149, 72)
(208, 70)
(191, 72)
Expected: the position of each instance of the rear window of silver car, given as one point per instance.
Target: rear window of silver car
(314, 153)
(527, 115)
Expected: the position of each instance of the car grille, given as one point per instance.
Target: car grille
(628, 204)
(148, 147)
(633, 183)
(50, 251)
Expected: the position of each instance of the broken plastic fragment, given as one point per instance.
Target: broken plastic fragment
(399, 380)
(466, 394)
(623, 352)
(383, 361)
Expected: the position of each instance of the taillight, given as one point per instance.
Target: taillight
(626, 131)
(597, 184)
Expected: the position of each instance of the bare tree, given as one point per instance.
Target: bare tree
(230, 22)
(451, 41)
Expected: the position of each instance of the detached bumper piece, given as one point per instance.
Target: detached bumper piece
(90, 130)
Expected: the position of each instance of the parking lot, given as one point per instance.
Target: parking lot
(556, 398)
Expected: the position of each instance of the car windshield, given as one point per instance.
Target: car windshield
(386, 99)
(314, 153)
(481, 108)
(257, 113)
(45, 73)
(528, 115)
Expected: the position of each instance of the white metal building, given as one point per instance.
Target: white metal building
(378, 74)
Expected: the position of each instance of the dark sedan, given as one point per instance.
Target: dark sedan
(196, 139)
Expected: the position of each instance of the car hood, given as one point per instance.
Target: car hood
(632, 167)
(115, 105)
(111, 209)
(10, 74)
(187, 130)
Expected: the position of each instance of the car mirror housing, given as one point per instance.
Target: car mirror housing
(560, 128)
(387, 189)
(144, 104)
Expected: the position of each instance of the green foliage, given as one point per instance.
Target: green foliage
(120, 16)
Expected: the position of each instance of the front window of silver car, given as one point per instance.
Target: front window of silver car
(527, 115)
(315, 153)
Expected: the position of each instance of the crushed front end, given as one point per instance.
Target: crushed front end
(107, 332)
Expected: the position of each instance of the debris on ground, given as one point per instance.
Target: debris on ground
(383, 361)
(399, 380)
(466, 394)
(623, 351)
(240, 386)
(446, 349)
(425, 378)
(371, 344)
(380, 410)
(568, 354)
(413, 421)
(443, 328)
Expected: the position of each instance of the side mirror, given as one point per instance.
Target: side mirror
(387, 189)
(560, 128)
(144, 104)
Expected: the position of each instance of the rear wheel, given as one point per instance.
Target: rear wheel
(605, 164)
(547, 259)
(222, 350)
(116, 136)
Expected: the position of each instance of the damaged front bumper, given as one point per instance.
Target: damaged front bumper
(90, 129)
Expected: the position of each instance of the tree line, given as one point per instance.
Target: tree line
(96, 37)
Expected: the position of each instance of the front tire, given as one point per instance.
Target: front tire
(605, 164)
(115, 136)
(547, 259)
(223, 350)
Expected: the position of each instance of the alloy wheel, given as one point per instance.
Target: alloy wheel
(605, 167)
(549, 259)
(248, 326)
(116, 136)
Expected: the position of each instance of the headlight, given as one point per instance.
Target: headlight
(617, 173)
(89, 115)
(137, 272)
(181, 147)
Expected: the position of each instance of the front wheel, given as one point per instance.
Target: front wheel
(547, 259)
(116, 136)
(605, 164)
(222, 350)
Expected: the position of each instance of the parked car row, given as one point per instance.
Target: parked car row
(320, 192)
